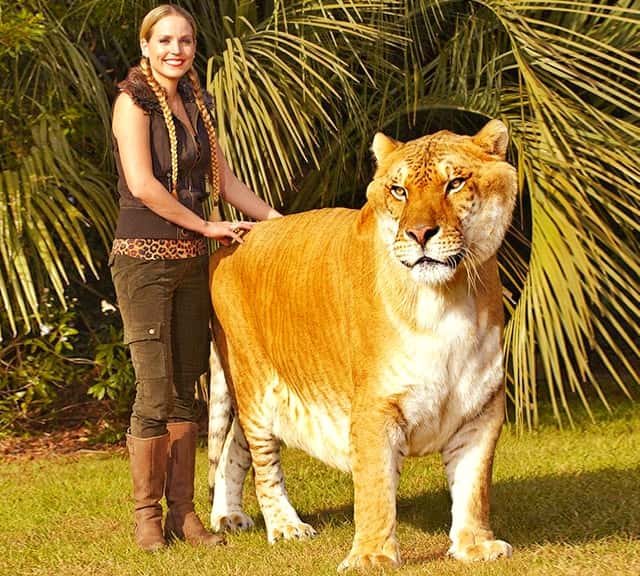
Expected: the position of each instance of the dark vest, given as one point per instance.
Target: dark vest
(135, 220)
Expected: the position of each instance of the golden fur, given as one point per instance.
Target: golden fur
(364, 336)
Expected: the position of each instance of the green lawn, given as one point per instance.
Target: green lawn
(568, 501)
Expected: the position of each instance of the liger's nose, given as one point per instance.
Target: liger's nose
(422, 234)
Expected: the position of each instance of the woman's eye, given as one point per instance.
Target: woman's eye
(398, 192)
(455, 185)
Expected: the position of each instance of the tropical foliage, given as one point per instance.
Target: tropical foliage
(301, 87)
(53, 106)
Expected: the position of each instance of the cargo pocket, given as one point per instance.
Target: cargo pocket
(148, 351)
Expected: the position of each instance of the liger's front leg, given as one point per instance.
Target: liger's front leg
(468, 458)
(377, 450)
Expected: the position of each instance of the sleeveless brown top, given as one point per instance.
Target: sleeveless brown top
(135, 220)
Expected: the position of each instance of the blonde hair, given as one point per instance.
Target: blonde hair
(146, 30)
(158, 13)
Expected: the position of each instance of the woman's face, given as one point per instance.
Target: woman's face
(171, 48)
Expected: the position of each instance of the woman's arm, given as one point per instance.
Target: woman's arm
(131, 130)
(238, 194)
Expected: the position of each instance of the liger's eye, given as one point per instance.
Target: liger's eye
(398, 192)
(455, 185)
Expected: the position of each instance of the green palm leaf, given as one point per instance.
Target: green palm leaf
(281, 85)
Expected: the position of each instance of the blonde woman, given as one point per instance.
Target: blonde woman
(165, 148)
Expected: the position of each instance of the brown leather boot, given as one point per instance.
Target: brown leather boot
(148, 463)
(182, 521)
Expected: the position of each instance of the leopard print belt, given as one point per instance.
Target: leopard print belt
(159, 248)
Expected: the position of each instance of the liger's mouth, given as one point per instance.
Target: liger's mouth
(449, 262)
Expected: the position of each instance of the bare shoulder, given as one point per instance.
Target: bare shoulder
(130, 127)
(127, 116)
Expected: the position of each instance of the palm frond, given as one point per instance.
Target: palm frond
(581, 158)
(280, 88)
(54, 197)
(50, 202)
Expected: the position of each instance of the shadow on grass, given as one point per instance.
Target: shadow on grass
(563, 508)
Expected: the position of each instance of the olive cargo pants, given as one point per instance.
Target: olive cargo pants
(165, 308)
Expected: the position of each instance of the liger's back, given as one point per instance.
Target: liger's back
(284, 293)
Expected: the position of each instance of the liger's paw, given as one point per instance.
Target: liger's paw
(297, 531)
(487, 550)
(356, 561)
(231, 521)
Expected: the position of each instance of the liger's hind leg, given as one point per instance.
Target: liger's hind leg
(220, 415)
(229, 457)
(226, 509)
(281, 519)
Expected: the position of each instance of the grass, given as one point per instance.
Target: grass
(567, 500)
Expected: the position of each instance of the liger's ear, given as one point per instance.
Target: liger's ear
(494, 138)
(383, 145)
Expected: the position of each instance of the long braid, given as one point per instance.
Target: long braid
(211, 133)
(168, 120)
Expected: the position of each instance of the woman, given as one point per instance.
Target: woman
(165, 147)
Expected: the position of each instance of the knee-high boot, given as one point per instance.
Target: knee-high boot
(148, 464)
(182, 521)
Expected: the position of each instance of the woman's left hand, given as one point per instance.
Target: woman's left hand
(227, 232)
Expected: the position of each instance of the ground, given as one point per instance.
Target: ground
(89, 427)
(70, 441)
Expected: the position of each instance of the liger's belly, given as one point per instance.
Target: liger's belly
(320, 427)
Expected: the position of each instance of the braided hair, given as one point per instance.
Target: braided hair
(161, 95)
(214, 175)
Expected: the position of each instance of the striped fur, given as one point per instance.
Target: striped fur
(364, 337)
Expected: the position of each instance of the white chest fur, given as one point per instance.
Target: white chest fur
(452, 364)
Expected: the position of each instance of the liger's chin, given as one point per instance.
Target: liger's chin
(432, 273)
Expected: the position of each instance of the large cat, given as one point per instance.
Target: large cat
(365, 336)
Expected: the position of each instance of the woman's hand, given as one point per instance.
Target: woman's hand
(227, 232)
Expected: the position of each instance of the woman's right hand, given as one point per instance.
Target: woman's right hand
(226, 232)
